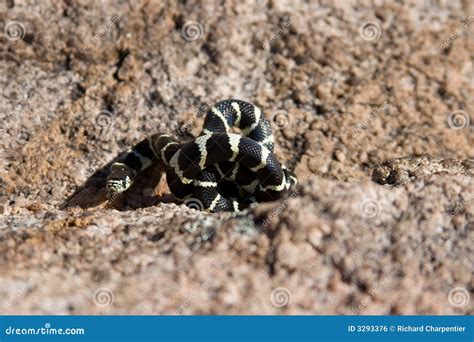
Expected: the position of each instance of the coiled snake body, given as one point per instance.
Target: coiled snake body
(223, 171)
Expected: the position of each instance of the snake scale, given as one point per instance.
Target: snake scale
(223, 171)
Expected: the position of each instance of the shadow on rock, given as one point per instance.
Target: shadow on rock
(148, 189)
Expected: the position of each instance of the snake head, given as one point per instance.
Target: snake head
(119, 180)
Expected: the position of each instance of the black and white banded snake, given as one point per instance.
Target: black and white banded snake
(223, 171)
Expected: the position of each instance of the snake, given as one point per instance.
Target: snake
(220, 170)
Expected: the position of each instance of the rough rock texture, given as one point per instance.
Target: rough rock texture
(402, 170)
(347, 85)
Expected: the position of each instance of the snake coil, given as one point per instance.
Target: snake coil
(224, 171)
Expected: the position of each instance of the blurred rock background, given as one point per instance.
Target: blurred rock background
(346, 84)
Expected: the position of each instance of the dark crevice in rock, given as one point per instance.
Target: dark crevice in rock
(78, 92)
(300, 146)
(211, 53)
(271, 261)
(157, 237)
(122, 55)
(68, 62)
(320, 109)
